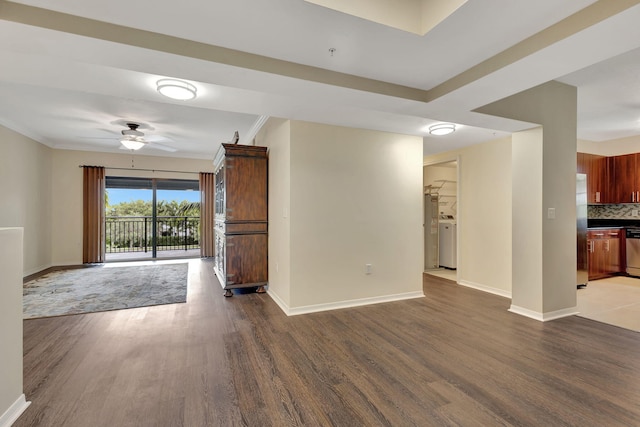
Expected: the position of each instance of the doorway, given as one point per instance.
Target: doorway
(151, 218)
(440, 182)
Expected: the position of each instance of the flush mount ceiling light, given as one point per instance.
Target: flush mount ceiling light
(442, 129)
(176, 89)
(133, 143)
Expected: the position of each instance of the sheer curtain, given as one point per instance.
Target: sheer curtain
(207, 214)
(93, 232)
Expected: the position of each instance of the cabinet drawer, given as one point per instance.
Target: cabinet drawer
(240, 228)
(613, 233)
(594, 235)
(246, 228)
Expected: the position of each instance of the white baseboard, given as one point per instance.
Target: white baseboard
(13, 413)
(342, 304)
(484, 288)
(544, 317)
(276, 298)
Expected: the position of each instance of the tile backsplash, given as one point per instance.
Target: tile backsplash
(621, 211)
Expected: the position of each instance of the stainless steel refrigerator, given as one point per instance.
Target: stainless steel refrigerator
(581, 220)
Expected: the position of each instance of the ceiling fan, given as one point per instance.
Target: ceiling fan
(133, 139)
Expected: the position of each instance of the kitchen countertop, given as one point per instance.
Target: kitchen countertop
(612, 223)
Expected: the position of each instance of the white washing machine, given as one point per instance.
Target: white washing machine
(447, 245)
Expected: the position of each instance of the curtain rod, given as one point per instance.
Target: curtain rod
(136, 169)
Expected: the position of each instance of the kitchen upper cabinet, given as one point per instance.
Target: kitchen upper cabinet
(597, 169)
(598, 179)
(582, 163)
(625, 184)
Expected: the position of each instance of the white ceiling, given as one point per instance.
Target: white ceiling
(73, 91)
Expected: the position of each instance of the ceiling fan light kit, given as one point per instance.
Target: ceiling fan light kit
(132, 143)
(442, 129)
(176, 89)
(132, 138)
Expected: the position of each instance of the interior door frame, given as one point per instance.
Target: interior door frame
(459, 204)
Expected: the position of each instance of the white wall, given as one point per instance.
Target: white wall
(614, 147)
(484, 214)
(356, 199)
(276, 134)
(527, 221)
(25, 195)
(416, 16)
(66, 190)
(553, 105)
(12, 400)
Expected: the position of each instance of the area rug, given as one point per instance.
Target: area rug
(104, 288)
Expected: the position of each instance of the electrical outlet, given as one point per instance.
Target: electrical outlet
(551, 213)
(368, 269)
(634, 212)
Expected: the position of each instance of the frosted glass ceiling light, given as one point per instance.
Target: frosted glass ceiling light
(442, 129)
(132, 143)
(176, 89)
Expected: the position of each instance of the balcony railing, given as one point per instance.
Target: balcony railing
(135, 233)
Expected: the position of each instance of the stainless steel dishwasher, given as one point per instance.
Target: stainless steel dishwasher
(633, 251)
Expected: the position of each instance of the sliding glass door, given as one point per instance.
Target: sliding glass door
(177, 218)
(150, 218)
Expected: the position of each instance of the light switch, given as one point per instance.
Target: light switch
(551, 213)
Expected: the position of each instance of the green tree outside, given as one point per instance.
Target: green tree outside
(164, 208)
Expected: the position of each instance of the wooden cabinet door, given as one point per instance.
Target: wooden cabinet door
(606, 252)
(246, 258)
(246, 189)
(598, 257)
(636, 174)
(607, 180)
(624, 183)
(598, 247)
(598, 176)
(613, 256)
(616, 251)
(598, 180)
(582, 164)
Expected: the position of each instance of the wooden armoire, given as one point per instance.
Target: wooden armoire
(241, 243)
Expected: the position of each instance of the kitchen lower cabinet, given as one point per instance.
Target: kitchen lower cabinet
(614, 260)
(606, 252)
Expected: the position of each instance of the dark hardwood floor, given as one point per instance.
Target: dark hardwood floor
(456, 357)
